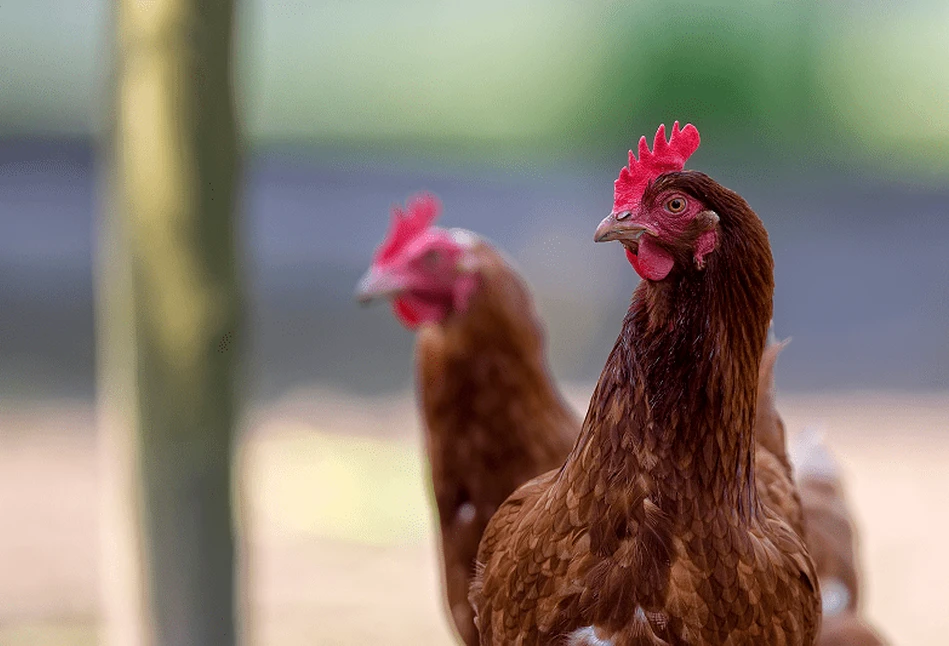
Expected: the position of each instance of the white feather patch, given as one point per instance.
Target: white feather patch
(465, 513)
(586, 637)
(834, 596)
(811, 457)
(464, 238)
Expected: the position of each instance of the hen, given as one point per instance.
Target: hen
(828, 528)
(831, 539)
(493, 418)
(654, 530)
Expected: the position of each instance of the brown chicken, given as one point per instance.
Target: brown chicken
(654, 531)
(492, 415)
(828, 527)
(831, 539)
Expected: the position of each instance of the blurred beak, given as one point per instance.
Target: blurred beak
(620, 226)
(376, 284)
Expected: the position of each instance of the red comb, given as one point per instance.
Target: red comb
(665, 157)
(420, 212)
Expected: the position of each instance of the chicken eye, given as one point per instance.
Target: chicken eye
(431, 259)
(676, 205)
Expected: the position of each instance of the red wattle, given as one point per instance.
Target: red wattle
(406, 313)
(651, 261)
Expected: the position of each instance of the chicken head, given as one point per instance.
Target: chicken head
(426, 271)
(660, 221)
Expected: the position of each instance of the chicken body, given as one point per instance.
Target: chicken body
(660, 528)
(825, 520)
(493, 417)
(831, 539)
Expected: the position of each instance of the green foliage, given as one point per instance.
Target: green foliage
(517, 80)
(743, 71)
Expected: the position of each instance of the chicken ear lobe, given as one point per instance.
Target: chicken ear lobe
(708, 239)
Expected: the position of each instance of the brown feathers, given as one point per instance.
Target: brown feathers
(654, 531)
(493, 418)
(769, 427)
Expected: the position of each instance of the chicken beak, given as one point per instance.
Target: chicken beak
(376, 284)
(619, 226)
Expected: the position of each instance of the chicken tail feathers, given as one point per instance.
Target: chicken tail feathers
(769, 427)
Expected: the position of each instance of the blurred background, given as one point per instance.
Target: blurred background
(830, 118)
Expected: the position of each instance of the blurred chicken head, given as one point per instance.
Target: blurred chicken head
(655, 215)
(426, 271)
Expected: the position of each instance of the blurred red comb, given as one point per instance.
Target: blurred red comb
(665, 157)
(420, 212)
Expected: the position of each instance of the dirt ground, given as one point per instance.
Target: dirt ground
(341, 545)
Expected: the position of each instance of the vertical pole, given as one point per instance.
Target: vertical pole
(169, 318)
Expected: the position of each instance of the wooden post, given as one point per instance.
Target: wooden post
(169, 328)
